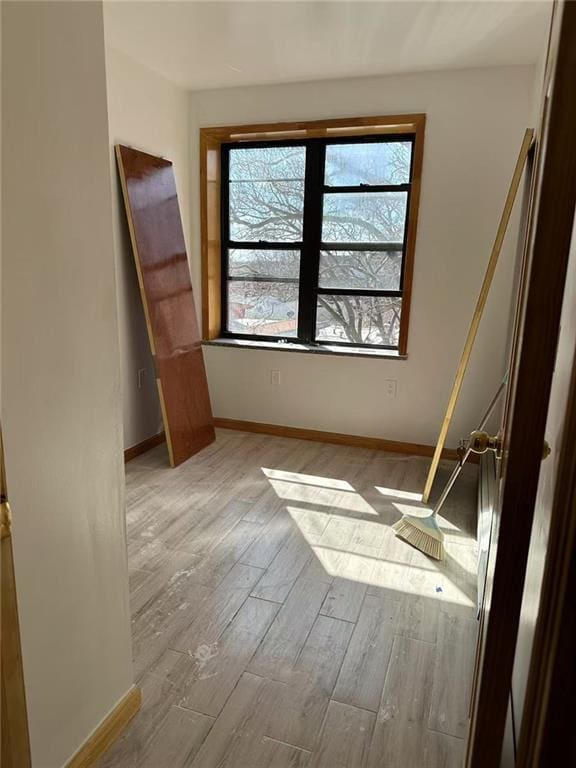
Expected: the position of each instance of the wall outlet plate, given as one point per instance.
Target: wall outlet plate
(390, 387)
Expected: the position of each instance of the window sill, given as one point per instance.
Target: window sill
(324, 349)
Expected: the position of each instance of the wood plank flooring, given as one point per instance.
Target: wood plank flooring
(278, 622)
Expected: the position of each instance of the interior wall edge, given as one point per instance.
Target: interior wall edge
(62, 417)
(108, 730)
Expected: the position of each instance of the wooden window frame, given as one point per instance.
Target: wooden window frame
(211, 141)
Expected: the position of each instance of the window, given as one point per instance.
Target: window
(316, 237)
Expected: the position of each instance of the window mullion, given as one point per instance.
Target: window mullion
(407, 217)
(312, 235)
(224, 233)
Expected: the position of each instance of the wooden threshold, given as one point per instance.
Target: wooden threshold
(144, 446)
(108, 731)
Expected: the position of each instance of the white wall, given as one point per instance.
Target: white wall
(61, 377)
(147, 112)
(475, 123)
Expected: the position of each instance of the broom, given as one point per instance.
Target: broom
(424, 532)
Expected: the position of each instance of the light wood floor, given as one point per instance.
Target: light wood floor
(278, 622)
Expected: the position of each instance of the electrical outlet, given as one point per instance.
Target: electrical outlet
(390, 387)
(141, 374)
(275, 378)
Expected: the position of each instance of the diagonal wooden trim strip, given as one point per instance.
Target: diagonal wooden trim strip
(108, 731)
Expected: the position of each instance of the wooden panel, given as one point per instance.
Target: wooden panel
(159, 251)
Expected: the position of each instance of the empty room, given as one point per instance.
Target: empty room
(288, 388)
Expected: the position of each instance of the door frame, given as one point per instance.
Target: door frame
(547, 734)
(14, 737)
(550, 223)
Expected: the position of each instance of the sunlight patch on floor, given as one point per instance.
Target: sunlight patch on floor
(328, 497)
(300, 477)
(399, 577)
(409, 509)
(373, 555)
(464, 556)
(309, 521)
(393, 493)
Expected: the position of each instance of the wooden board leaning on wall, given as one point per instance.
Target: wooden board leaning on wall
(159, 249)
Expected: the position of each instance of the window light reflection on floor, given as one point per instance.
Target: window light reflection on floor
(323, 499)
(425, 578)
(391, 575)
(410, 509)
(311, 522)
(300, 477)
(293, 490)
(407, 495)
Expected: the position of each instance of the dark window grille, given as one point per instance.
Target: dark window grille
(314, 237)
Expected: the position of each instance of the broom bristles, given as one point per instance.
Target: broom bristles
(422, 533)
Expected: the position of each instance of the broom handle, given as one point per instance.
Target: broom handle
(459, 466)
(480, 304)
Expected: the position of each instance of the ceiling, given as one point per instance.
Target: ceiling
(224, 44)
